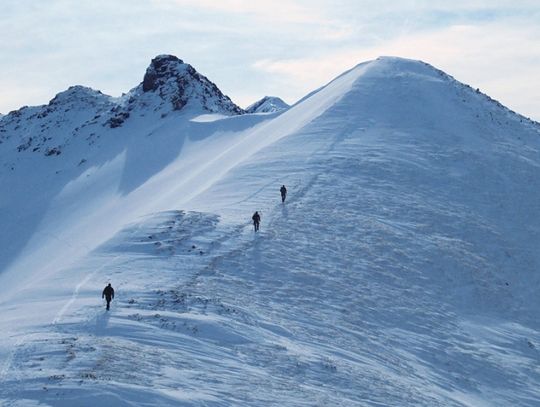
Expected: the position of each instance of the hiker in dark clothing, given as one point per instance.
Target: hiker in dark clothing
(108, 294)
(283, 191)
(256, 220)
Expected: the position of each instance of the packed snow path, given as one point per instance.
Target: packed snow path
(388, 277)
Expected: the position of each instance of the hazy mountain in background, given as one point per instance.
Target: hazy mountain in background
(268, 104)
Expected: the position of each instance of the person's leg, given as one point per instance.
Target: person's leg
(108, 303)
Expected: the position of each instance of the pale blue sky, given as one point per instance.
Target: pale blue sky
(252, 48)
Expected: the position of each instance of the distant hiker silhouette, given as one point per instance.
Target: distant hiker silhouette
(256, 220)
(108, 294)
(283, 191)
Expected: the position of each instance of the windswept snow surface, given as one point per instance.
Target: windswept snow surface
(402, 269)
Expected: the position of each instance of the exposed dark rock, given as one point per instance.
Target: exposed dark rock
(53, 151)
(117, 120)
(179, 83)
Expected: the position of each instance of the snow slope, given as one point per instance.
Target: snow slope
(402, 269)
(84, 148)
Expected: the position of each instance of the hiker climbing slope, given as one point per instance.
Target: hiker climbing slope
(283, 191)
(108, 294)
(256, 220)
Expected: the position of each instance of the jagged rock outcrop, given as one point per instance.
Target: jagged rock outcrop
(181, 85)
(169, 85)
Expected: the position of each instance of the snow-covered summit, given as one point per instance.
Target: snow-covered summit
(81, 95)
(407, 92)
(42, 129)
(268, 104)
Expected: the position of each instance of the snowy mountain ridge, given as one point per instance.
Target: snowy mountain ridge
(79, 95)
(401, 269)
(168, 86)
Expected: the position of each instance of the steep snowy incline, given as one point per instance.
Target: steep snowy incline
(77, 209)
(400, 271)
(111, 145)
(405, 259)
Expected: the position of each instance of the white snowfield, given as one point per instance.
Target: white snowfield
(403, 268)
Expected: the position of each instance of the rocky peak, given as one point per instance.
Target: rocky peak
(180, 84)
(162, 69)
